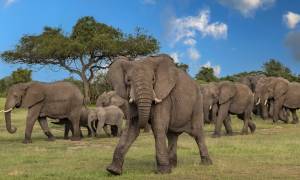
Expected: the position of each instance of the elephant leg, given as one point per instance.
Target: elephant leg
(45, 128)
(76, 128)
(278, 105)
(90, 122)
(33, 114)
(89, 131)
(265, 112)
(172, 148)
(227, 125)
(222, 114)
(251, 126)
(68, 127)
(105, 128)
(214, 113)
(99, 127)
(283, 115)
(295, 117)
(246, 125)
(128, 137)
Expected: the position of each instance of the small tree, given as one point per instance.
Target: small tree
(21, 75)
(277, 69)
(90, 47)
(183, 66)
(206, 74)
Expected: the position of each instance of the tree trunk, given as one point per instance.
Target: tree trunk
(86, 90)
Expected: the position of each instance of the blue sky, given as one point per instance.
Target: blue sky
(229, 35)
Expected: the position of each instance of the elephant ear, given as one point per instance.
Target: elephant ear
(116, 76)
(165, 78)
(227, 91)
(280, 89)
(32, 96)
(117, 100)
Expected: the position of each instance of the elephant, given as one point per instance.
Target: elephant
(234, 98)
(210, 93)
(110, 115)
(58, 100)
(83, 123)
(272, 91)
(251, 81)
(112, 98)
(179, 108)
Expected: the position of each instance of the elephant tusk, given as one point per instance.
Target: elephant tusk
(258, 101)
(157, 100)
(6, 111)
(265, 102)
(210, 107)
(130, 100)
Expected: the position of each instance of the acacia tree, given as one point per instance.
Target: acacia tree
(206, 74)
(90, 47)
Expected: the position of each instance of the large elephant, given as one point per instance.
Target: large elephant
(210, 93)
(59, 100)
(112, 98)
(272, 91)
(163, 95)
(234, 98)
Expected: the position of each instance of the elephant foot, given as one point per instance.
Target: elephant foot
(165, 169)
(75, 138)
(229, 134)
(66, 137)
(115, 170)
(252, 128)
(27, 141)
(205, 160)
(52, 138)
(244, 133)
(216, 135)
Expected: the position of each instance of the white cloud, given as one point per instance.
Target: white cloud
(193, 53)
(247, 7)
(216, 68)
(175, 56)
(149, 2)
(291, 19)
(8, 2)
(187, 27)
(190, 42)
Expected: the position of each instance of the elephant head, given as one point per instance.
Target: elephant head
(143, 82)
(20, 95)
(210, 98)
(268, 88)
(109, 98)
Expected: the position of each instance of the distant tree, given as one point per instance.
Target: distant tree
(236, 77)
(277, 69)
(183, 66)
(90, 47)
(21, 76)
(206, 74)
(18, 76)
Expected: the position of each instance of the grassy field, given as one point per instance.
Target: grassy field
(273, 152)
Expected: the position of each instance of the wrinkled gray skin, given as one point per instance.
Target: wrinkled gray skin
(234, 98)
(180, 109)
(210, 93)
(83, 123)
(273, 90)
(60, 100)
(112, 98)
(110, 115)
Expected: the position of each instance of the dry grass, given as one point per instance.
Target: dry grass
(273, 152)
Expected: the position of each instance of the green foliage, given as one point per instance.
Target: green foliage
(236, 77)
(277, 69)
(90, 47)
(183, 66)
(18, 76)
(206, 74)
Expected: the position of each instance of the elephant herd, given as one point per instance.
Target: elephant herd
(153, 93)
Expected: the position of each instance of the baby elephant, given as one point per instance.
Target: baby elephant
(110, 115)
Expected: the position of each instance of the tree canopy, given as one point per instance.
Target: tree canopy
(277, 69)
(183, 66)
(206, 74)
(90, 47)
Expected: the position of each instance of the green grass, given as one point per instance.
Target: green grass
(273, 152)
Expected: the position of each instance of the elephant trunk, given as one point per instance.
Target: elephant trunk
(11, 129)
(206, 113)
(144, 98)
